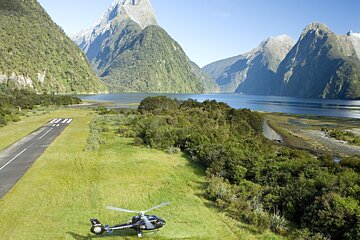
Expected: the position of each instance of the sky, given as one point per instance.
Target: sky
(210, 30)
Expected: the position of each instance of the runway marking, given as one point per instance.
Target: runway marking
(54, 125)
(69, 121)
(54, 120)
(57, 121)
(65, 121)
(45, 133)
(57, 125)
(13, 159)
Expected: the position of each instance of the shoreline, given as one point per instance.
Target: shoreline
(311, 108)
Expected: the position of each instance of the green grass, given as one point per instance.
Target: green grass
(67, 186)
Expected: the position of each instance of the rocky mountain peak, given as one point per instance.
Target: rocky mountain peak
(277, 41)
(139, 11)
(319, 29)
(273, 50)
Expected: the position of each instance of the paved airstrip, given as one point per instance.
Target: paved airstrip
(16, 159)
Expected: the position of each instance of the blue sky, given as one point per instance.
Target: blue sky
(209, 30)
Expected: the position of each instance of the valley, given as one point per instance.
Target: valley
(262, 145)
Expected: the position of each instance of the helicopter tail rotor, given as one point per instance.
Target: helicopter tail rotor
(97, 228)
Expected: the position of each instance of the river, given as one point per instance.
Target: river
(290, 105)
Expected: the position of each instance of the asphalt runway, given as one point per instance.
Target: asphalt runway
(16, 159)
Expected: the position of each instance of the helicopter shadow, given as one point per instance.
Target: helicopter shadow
(124, 233)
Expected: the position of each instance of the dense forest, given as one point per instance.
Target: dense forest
(292, 192)
(33, 47)
(13, 101)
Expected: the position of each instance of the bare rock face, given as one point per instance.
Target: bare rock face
(141, 12)
(355, 39)
(18, 80)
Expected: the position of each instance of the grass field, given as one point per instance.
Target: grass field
(67, 186)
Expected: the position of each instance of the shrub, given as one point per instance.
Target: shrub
(173, 150)
(278, 223)
(218, 188)
(3, 121)
(306, 234)
(158, 104)
(259, 218)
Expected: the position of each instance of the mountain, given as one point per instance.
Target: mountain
(37, 54)
(254, 72)
(139, 14)
(228, 73)
(206, 81)
(152, 62)
(321, 65)
(131, 53)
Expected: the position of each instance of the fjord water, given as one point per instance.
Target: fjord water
(290, 105)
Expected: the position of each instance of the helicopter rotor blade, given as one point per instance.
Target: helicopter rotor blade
(121, 209)
(148, 224)
(158, 206)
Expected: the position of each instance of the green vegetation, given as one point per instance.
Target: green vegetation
(150, 61)
(252, 180)
(33, 46)
(347, 136)
(13, 102)
(63, 190)
(255, 186)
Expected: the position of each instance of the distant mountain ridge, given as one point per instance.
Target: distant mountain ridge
(131, 53)
(237, 74)
(320, 65)
(37, 54)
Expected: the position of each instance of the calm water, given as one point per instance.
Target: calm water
(317, 107)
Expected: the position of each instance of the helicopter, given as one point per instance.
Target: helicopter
(141, 222)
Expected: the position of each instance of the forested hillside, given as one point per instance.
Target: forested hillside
(36, 54)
